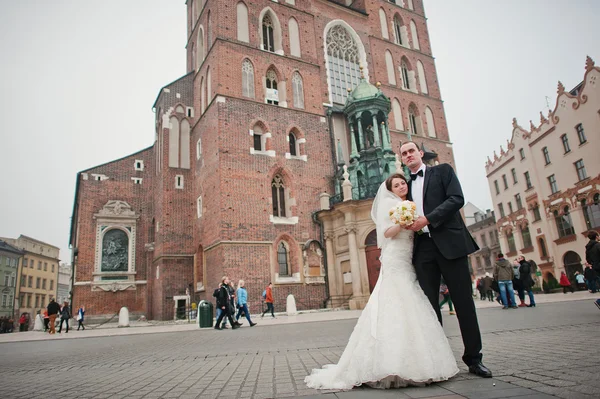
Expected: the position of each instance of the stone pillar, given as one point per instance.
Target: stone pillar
(358, 300)
(354, 152)
(361, 136)
(124, 317)
(290, 306)
(387, 141)
(376, 132)
(333, 276)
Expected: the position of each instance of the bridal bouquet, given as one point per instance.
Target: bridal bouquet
(404, 214)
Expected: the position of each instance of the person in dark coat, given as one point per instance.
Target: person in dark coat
(53, 310)
(224, 303)
(591, 278)
(65, 315)
(487, 286)
(525, 279)
(592, 253)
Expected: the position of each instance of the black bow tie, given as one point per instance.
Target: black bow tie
(414, 176)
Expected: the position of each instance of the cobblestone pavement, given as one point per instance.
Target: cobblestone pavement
(533, 352)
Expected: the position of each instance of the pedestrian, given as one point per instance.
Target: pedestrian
(216, 294)
(224, 303)
(46, 319)
(526, 280)
(242, 302)
(446, 294)
(565, 283)
(268, 297)
(487, 286)
(232, 299)
(580, 279)
(504, 273)
(591, 278)
(80, 315)
(592, 254)
(22, 323)
(65, 315)
(517, 282)
(53, 310)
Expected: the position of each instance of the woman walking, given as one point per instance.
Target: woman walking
(65, 315)
(242, 302)
(80, 314)
(565, 283)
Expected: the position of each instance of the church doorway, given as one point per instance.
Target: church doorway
(373, 263)
(572, 262)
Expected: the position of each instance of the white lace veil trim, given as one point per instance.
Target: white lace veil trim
(380, 212)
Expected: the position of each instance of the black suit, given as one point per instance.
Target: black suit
(445, 253)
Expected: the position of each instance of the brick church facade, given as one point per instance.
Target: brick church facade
(248, 159)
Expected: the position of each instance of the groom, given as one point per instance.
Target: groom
(443, 247)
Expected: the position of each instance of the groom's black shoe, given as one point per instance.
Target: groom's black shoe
(480, 370)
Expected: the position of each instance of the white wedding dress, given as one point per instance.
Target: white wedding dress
(398, 340)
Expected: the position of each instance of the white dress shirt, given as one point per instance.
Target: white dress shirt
(416, 189)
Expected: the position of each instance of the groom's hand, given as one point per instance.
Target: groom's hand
(419, 223)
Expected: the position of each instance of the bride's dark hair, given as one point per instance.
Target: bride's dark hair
(388, 181)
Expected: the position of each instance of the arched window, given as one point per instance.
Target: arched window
(174, 143)
(383, 22)
(202, 96)
(415, 35)
(294, 37)
(293, 145)
(510, 238)
(564, 224)
(278, 196)
(398, 31)
(526, 236)
(271, 82)
(343, 63)
(430, 122)
(397, 110)
(413, 119)
(268, 36)
(389, 65)
(422, 78)
(208, 86)
(199, 149)
(115, 251)
(298, 90)
(283, 260)
(405, 78)
(243, 34)
(208, 32)
(257, 135)
(193, 57)
(410, 4)
(184, 156)
(200, 47)
(591, 212)
(247, 79)
(543, 250)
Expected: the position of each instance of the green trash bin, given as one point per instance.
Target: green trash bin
(205, 314)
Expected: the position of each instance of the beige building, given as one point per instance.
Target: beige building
(484, 232)
(38, 274)
(546, 184)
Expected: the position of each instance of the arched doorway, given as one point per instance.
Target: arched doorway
(572, 262)
(373, 263)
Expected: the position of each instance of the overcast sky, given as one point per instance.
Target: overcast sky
(78, 80)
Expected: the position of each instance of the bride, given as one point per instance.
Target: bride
(398, 340)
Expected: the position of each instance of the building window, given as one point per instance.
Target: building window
(546, 155)
(51, 284)
(4, 300)
(514, 175)
(501, 209)
(526, 237)
(343, 59)
(405, 77)
(44, 284)
(23, 281)
(591, 212)
(247, 79)
(179, 181)
(45, 266)
(580, 168)
(137, 180)
(31, 263)
(292, 139)
(268, 37)
(565, 143)
(257, 141)
(139, 165)
(38, 282)
(505, 182)
(413, 120)
(272, 93)
(518, 201)
(478, 261)
(527, 180)
(37, 301)
(496, 187)
(536, 213)
(298, 90)
(553, 185)
(522, 153)
(510, 208)
(398, 30)
(30, 282)
(29, 300)
(564, 225)
(39, 265)
(282, 260)
(510, 238)
(199, 207)
(278, 196)
(198, 149)
(484, 240)
(580, 134)
(53, 268)
(6, 279)
(492, 241)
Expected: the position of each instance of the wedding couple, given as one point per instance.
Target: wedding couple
(398, 339)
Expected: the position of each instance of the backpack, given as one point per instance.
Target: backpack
(264, 294)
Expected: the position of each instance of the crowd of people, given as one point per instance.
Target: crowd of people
(506, 279)
(229, 299)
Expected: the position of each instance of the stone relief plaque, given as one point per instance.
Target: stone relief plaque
(115, 251)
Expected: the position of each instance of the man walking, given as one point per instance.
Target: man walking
(269, 300)
(592, 254)
(53, 310)
(442, 249)
(504, 275)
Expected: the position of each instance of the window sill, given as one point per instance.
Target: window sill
(527, 250)
(529, 189)
(584, 143)
(293, 279)
(280, 220)
(536, 221)
(269, 153)
(510, 254)
(566, 239)
(298, 157)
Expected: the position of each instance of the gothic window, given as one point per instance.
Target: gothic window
(415, 35)
(405, 80)
(247, 79)
(343, 63)
(272, 94)
(410, 4)
(298, 90)
(268, 37)
(389, 65)
(278, 196)
(293, 150)
(383, 22)
(430, 123)
(115, 251)
(257, 134)
(283, 260)
(242, 22)
(398, 30)
(208, 31)
(294, 32)
(422, 78)
(397, 111)
(413, 119)
(199, 149)
(591, 212)
(200, 47)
